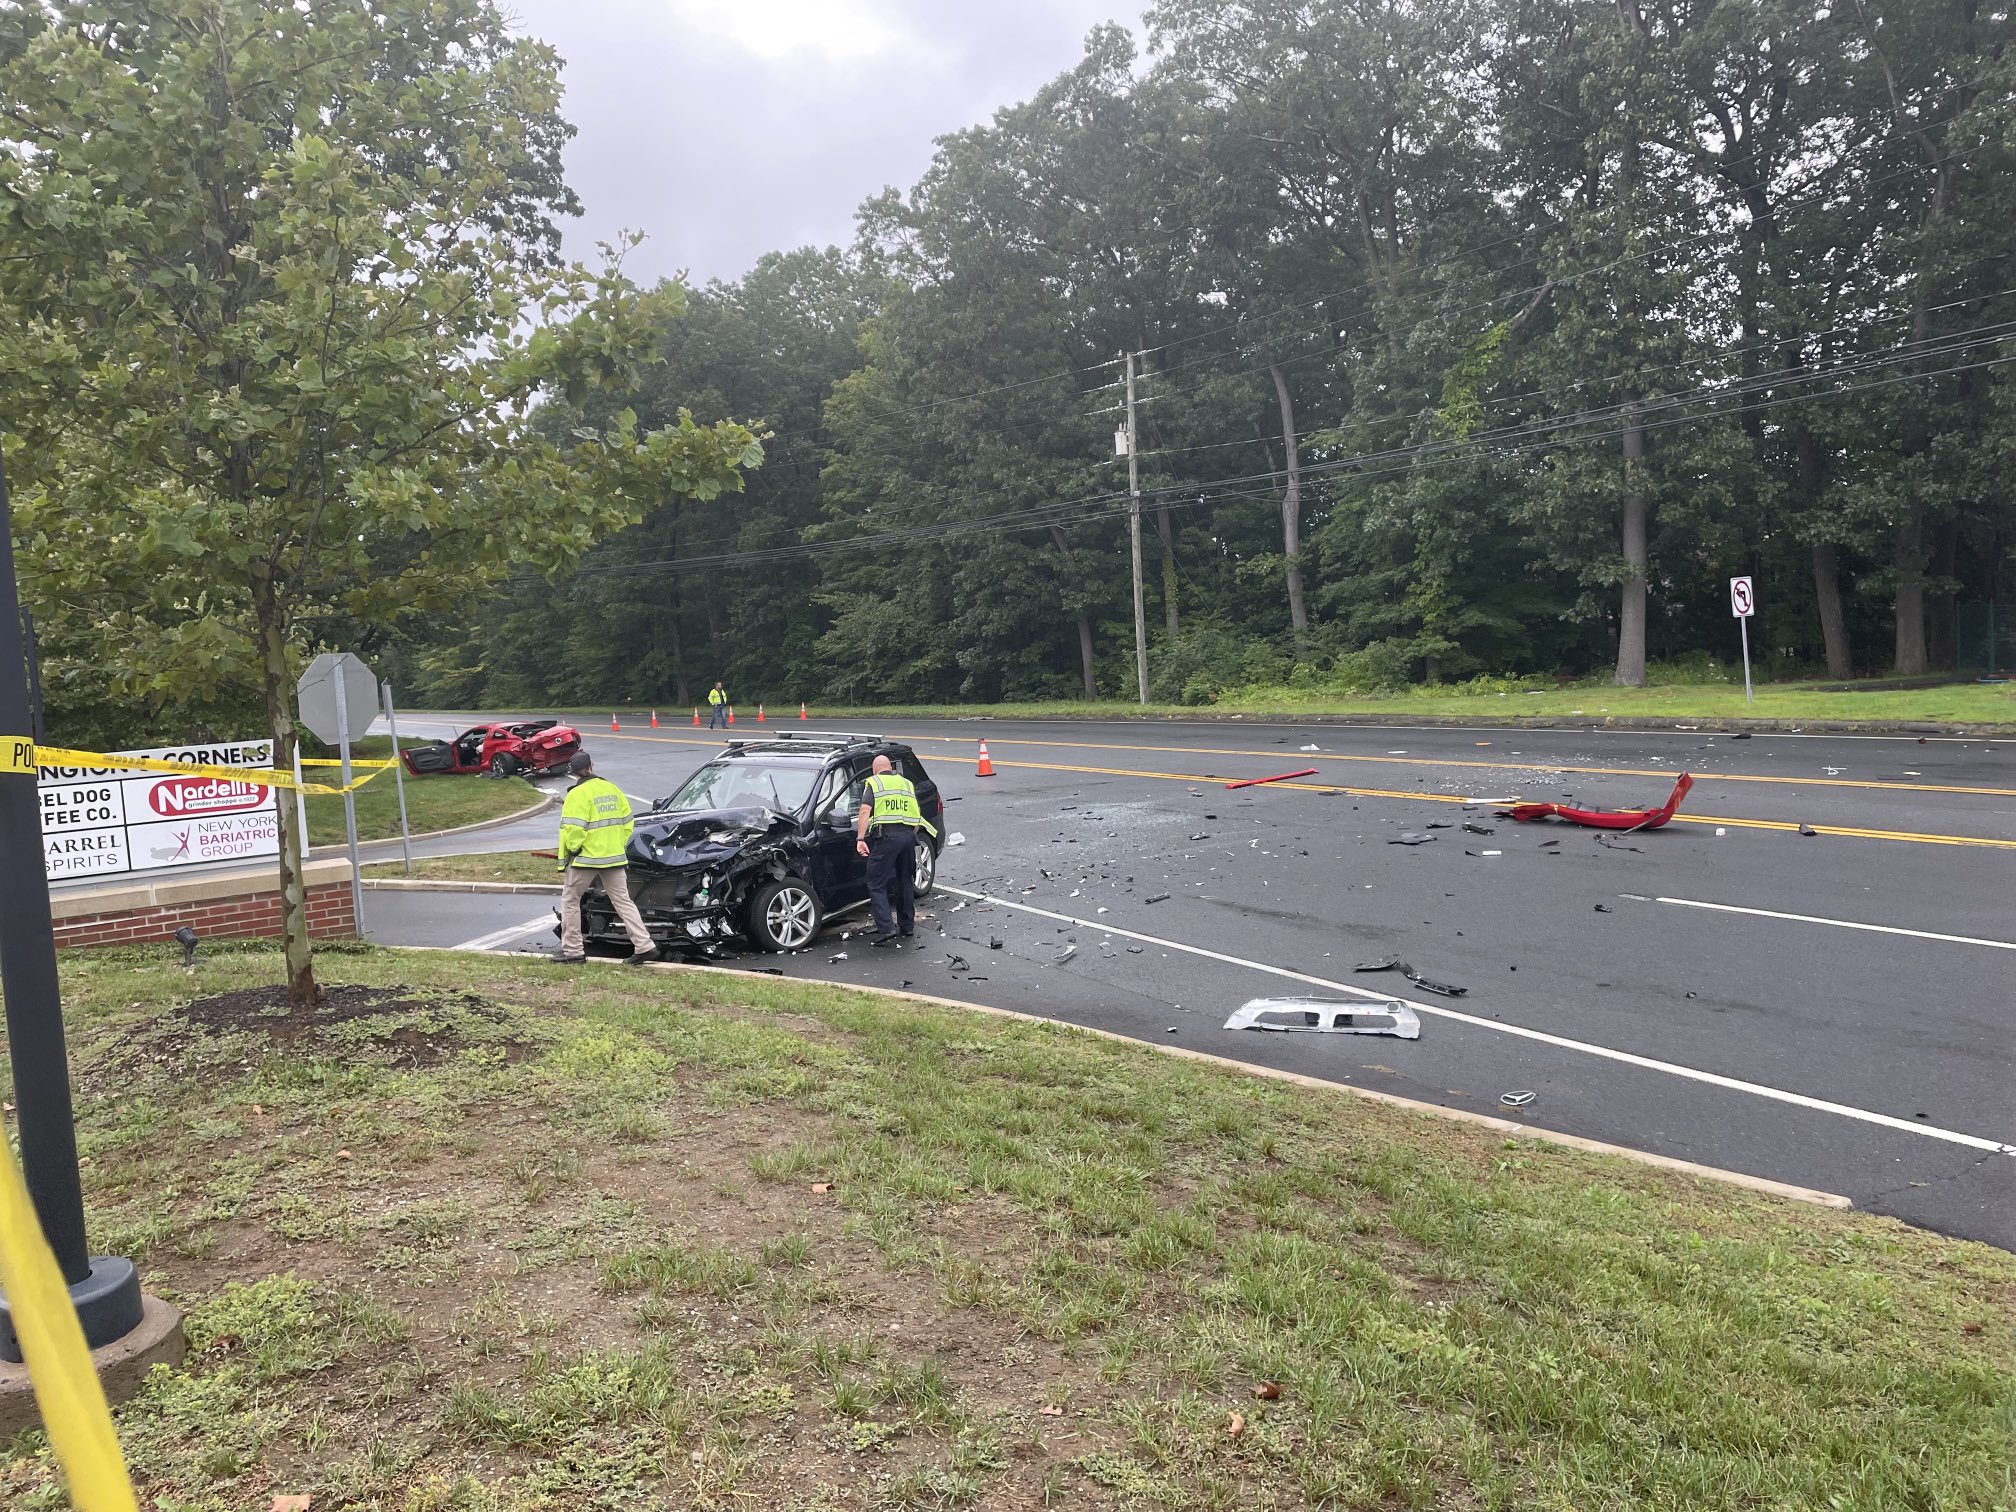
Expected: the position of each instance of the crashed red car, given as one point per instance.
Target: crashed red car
(533, 747)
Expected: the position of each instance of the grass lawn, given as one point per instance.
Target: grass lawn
(1991, 704)
(491, 866)
(432, 803)
(510, 1238)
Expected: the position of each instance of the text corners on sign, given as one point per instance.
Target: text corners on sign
(1742, 597)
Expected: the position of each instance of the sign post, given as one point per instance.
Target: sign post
(338, 698)
(1743, 604)
(399, 780)
(104, 1289)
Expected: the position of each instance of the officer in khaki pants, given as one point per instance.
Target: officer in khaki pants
(595, 826)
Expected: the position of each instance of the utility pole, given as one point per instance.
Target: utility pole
(1134, 537)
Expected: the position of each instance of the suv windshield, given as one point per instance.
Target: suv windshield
(781, 785)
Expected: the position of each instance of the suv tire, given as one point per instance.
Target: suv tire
(785, 915)
(926, 876)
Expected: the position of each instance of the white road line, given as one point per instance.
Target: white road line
(501, 936)
(1767, 913)
(1689, 1073)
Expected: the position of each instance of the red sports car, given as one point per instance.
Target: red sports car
(503, 750)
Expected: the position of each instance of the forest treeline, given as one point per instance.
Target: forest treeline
(1472, 338)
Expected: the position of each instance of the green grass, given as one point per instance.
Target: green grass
(432, 803)
(710, 1241)
(488, 866)
(1988, 705)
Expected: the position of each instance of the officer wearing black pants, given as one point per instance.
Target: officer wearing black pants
(886, 833)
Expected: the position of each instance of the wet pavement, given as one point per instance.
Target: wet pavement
(1836, 1010)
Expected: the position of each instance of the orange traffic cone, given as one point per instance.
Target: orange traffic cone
(802, 715)
(696, 719)
(654, 719)
(612, 723)
(731, 713)
(986, 765)
(759, 714)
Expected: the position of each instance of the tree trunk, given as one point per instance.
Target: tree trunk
(301, 989)
(1291, 513)
(1636, 530)
(1833, 620)
(1085, 655)
(1168, 534)
(1910, 599)
(1941, 654)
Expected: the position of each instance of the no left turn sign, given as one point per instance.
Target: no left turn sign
(1742, 598)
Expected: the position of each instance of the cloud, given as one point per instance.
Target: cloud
(723, 129)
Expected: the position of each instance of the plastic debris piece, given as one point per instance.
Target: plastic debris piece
(955, 963)
(1278, 777)
(1134, 950)
(1309, 748)
(1545, 844)
(1411, 837)
(1157, 898)
(1720, 832)
(1440, 989)
(1807, 830)
(993, 943)
(834, 959)
(1069, 951)
(1440, 824)
(955, 838)
(1608, 844)
(1477, 829)
(1491, 853)
(1516, 1099)
(1604, 908)
(1326, 1016)
(1745, 735)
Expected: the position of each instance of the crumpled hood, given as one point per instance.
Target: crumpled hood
(705, 837)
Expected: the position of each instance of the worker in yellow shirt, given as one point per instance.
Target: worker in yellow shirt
(886, 832)
(595, 826)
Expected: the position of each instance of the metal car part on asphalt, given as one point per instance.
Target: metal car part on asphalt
(1317, 1015)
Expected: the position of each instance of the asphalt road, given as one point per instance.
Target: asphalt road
(1834, 1010)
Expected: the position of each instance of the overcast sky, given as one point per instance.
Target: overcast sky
(724, 129)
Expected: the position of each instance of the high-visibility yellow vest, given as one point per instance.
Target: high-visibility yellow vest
(895, 800)
(716, 697)
(595, 824)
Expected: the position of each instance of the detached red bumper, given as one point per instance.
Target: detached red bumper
(1607, 819)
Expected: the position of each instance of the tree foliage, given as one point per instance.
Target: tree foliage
(284, 307)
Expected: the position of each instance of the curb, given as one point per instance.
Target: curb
(545, 802)
(426, 884)
(1505, 1126)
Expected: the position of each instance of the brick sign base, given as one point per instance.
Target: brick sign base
(237, 904)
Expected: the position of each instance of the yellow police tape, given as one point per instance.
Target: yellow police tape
(260, 776)
(59, 1364)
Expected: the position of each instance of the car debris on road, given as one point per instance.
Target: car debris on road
(1441, 989)
(1317, 1015)
(1628, 820)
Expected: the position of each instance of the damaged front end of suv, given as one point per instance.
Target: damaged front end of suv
(695, 877)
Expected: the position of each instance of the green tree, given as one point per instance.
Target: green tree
(283, 301)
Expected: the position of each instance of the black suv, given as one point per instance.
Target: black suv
(758, 845)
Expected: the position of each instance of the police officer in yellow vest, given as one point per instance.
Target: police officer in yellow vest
(886, 833)
(595, 828)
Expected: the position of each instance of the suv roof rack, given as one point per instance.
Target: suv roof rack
(814, 740)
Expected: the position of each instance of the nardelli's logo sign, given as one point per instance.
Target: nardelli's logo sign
(203, 795)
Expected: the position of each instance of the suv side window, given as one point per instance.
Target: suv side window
(913, 768)
(833, 793)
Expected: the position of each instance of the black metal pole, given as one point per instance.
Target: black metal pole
(107, 1292)
(36, 726)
